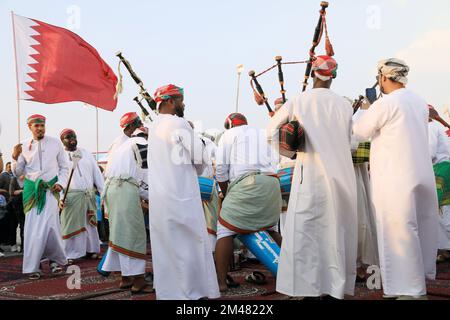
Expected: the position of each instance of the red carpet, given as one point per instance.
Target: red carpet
(14, 285)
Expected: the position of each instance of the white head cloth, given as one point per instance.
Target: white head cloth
(394, 69)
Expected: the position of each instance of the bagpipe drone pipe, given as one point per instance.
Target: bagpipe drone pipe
(291, 134)
(143, 92)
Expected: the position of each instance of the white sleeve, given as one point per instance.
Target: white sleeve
(99, 181)
(63, 166)
(371, 121)
(280, 118)
(18, 167)
(223, 159)
(193, 145)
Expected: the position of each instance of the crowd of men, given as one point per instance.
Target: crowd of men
(339, 218)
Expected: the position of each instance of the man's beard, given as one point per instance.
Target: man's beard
(179, 112)
(72, 147)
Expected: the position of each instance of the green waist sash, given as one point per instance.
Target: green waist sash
(34, 194)
(79, 203)
(442, 173)
(253, 203)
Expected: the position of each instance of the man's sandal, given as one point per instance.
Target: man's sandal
(256, 277)
(55, 269)
(126, 286)
(35, 276)
(146, 289)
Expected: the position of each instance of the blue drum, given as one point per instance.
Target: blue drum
(285, 176)
(206, 188)
(264, 248)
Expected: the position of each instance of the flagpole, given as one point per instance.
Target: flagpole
(96, 118)
(17, 77)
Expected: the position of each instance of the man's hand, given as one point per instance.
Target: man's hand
(144, 205)
(365, 105)
(17, 151)
(57, 188)
(61, 205)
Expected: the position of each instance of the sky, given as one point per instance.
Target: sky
(198, 44)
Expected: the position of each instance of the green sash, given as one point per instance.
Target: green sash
(442, 173)
(79, 203)
(34, 194)
(253, 203)
(126, 220)
(210, 209)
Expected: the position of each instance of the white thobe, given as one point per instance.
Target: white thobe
(367, 230)
(183, 264)
(242, 150)
(114, 146)
(439, 152)
(43, 159)
(284, 163)
(85, 176)
(404, 190)
(123, 163)
(209, 157)
(318, 253)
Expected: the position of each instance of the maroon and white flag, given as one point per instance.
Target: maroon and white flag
(56, 65)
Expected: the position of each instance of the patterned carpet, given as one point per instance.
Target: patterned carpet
(14, 285)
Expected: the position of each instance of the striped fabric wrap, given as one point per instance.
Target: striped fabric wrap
(362, 154)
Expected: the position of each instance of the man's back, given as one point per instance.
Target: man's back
(244, 149)
(326, 118)
(401, 133)
(172, 147)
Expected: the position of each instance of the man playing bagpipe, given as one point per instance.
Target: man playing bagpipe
(124, 187)
(247, 178)
(318, 254)
(404, 188)
(183, 263)
(440, 155)
(45, 165)
(79, 216)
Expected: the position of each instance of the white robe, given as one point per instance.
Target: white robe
(284, 163)
(86, 175)
(112, 149)
(404, 190)
(367, 230)
(182, 257)
(318, 253)
(439, 152)
(42, 233)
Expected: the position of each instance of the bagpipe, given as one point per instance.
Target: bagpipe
(143, 92)
(291, 134)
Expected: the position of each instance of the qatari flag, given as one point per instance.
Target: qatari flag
(55, 65)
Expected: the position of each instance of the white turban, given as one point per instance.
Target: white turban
(394, 69)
